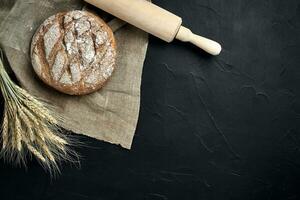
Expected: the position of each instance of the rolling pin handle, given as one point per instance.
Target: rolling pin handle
(185, 35)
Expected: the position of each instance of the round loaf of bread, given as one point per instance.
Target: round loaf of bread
(74, 52)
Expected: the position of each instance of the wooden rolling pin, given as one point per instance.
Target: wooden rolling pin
(156, 21)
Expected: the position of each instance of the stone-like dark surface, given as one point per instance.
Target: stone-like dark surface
(225, 127)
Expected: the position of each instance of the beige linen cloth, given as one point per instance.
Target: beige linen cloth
(110, 114)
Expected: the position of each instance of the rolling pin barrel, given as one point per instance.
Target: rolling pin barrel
(156, 21)
(144, 15)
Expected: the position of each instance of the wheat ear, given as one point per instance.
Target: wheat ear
(18, 132)
(4, 130)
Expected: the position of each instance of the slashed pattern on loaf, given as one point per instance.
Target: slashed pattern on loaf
(77, 50)
(51, 37)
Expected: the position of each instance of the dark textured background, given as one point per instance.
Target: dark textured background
(223, 127)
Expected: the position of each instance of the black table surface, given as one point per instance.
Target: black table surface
(225, 127)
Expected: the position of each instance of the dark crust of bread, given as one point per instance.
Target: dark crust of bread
(74, 89)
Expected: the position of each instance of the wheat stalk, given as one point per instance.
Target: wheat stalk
(29, 127)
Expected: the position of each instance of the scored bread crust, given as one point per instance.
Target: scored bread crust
(74, 52)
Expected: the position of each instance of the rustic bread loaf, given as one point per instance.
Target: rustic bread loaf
(74, 52)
